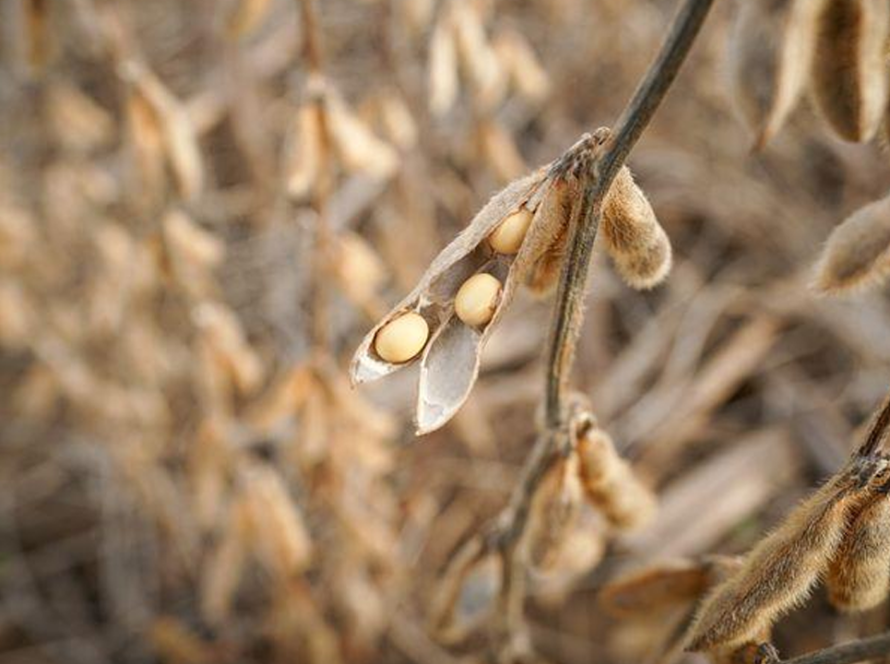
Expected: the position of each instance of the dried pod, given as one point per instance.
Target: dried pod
(245, 16)
(357, 146)
(274, 525)
(632, 235)
(519, 60)
(857, 253)
(467, 592)
(304, 151)
(849, 78)
(500, 151)
(450, 361)
(37, 33)
(859, 574)
(172, 118)
(554, 509)
(771, 53)
(610, 483)
(480, 62)
(782, 569)
(443, 74)
(666, 586)
(580, 549)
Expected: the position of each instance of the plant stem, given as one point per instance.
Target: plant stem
(568, 311)
(846, 653)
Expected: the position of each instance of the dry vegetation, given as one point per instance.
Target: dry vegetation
(206, 207)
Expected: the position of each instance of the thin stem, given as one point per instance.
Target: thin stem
(635, 118)
(846, 653)
(878, 430)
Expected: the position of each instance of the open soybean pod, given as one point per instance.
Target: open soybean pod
(849, 79)
(781, 570)
(859, 574)
(449, 351)
(770, 56)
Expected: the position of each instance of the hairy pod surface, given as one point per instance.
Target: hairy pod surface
(781, 570)
(611, 484)
(858, 577)
(857, 253)
(849, 78)
(633, 237)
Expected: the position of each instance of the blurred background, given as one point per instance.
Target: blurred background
(190, 252)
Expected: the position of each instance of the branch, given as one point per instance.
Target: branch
(846, 653)
(556, 438)
(635, 118)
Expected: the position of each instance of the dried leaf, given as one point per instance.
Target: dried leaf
(849, 79)
(857, 253)
(665, 586)
(771, 52)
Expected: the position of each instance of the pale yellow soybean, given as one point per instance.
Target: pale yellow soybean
(402, 338)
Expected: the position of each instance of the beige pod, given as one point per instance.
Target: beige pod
(508, 236)
(402, 338)
(477, 299)
(859, 574)
(849, 80)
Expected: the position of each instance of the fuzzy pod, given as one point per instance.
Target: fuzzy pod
(857, 253)
(449, 363)
(858, 577)
(555, 507)
(610, 484)
(633, 237)
(781, 570)
(770, 56)
(849, 79)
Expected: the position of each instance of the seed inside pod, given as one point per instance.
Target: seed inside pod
(508, 237)
(477, 298)
(402, 338)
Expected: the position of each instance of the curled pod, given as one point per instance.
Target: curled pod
(610, 484)
(450, 357)
(857, 253)
(781, 570)
(770, 57)
(633, 237)
(849, 79)
(858, 577)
